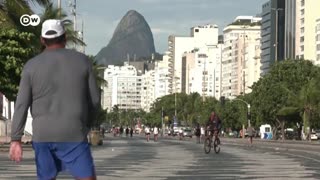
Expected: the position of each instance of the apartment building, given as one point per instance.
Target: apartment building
(123, 88)
(307, 14)
(200, 37)
(148, 90)
(201, 71)
(155, 83)
(239, 60)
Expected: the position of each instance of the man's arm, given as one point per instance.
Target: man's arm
(94, 96)
(22, 105)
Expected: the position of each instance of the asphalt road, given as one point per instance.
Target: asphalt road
(171, 159)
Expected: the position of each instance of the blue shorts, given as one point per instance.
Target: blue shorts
(52, 158)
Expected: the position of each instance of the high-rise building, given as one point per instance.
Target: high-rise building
(148, 90)
(278, 32)
(318, 41)
(155, 84)
(307, 13)
(177, 46)
(123, 88)
(240, 56)
(201, 71)
(201, 37)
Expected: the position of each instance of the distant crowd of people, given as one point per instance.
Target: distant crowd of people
(119, 131)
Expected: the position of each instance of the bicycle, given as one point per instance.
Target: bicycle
(208, 142)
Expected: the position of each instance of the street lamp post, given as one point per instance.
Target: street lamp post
(175, 95)
(162, 121)
(248, 113)
(59, 8)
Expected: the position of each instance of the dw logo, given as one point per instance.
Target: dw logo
(33, 20)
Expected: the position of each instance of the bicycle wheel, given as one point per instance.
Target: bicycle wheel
(207, 145)
(216, 146)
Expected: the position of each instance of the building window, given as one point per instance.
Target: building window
(301, 48)
(302, 21)
(318, 57)
(318, 37)
(302, 30)
(302, 39)
(196, 30)
(302, 2)
(302, 12)
(318, 47)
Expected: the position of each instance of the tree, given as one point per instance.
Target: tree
(12, 10)
(98, 72)
(270, 94)
(19, 43)
(306, 101)
(14, 52)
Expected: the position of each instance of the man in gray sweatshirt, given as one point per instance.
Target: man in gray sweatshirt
(60, 88)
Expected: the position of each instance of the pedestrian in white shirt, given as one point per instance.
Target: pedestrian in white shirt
(147, 131)
(202, 133)
(155, 133)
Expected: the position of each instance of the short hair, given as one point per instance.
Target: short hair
(57, 40)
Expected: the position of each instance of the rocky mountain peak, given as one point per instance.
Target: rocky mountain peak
(132, 37)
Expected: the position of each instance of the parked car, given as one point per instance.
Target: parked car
(317, 133)
(313, 136)
(187, 133)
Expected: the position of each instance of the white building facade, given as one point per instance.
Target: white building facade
(148, 90)
(202, 71)
(240, 59)
(201, 37)
(123, 88)
(155, 83)
(307, 15)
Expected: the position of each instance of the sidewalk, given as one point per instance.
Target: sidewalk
(275, 144)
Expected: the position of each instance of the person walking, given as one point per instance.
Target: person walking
(131, 131)
(155, 133)
(127, 131)
(250, 131)
(198, 133)
(202, 133)
(60, 86)
(147, 132)
(121, 131)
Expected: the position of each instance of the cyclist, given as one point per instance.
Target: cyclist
(214, 123)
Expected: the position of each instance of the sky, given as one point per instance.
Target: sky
(165, 17)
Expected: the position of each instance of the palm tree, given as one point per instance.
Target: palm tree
(52, 12)
(307, 101)
(11, 11)
(98, 71)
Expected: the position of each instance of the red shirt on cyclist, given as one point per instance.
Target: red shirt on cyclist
(214, 122)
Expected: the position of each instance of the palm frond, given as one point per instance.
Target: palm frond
(287, 111)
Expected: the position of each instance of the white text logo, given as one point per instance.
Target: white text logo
(33, 20)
